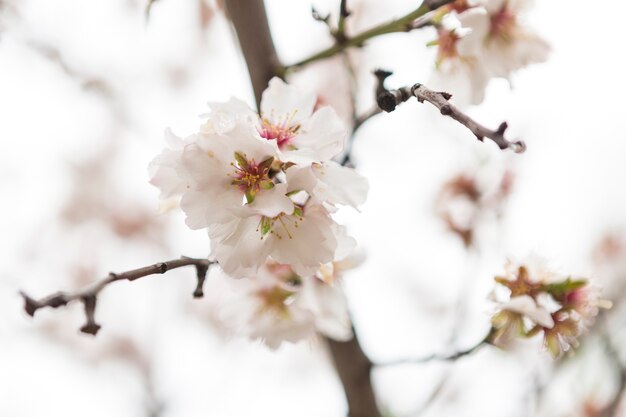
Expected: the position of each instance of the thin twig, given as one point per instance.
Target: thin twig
(358, 122)
(436, 357)
(88, 295)
(340, 35)
(388, 100)
(402, 24)
(613, 407)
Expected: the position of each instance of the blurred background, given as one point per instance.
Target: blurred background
(86, 91)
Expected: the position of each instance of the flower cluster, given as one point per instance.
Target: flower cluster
(540, 301)
(482, 39)
(265, 187)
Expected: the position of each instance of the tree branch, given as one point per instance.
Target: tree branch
(354, 370)
(250, 21)
(388, 100)
(402, 24)
(88, 295)
(439, 357)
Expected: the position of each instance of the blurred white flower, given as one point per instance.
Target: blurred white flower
(277, 305)
(526, 306)
(542, 301)
(480, 43)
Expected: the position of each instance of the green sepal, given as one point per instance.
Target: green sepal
(266, 184)
(266, 164)
(241, 161)
(266, 225)
(558, 290)
(250, 194)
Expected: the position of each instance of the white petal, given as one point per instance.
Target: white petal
(242, 252)
(272, 202)
(473, 43)
(320, 138)
(224, 117)
(339, 185)
(308, 245)
(526, 305)
(281, 100)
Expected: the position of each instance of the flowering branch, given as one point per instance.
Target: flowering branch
(88, 295)
(352, 365)
(388, 100)
(403, 24)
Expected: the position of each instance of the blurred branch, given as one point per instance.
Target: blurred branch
(403, 24)
(388, 100)
(250, 21)
(439, 357)
(88, 296)
(149, 8)
(354, 370)
(612, 408)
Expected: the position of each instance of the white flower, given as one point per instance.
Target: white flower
(304, 239)
(499, 36)
(165, 171)
(486, 42)
(459, 70)
(226, 117)
(329, 182)
(301, 134)
(526, 306)
(263, 186)
(279, 306)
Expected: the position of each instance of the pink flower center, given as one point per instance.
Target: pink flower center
(503, 24)
(249, 176)
(281, 130)
(447, 45)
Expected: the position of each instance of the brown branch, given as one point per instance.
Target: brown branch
(413, 20)
(88, 295)
(388, 100)
(439, 357)
(354, 370)
(253, 31)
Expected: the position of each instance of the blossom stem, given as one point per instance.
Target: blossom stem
(401, 24)
(88, 295)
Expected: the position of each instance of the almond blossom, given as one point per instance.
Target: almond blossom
(263, 186)
(301, 134)
(488, 41)
(278, 305)
(543, 301)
